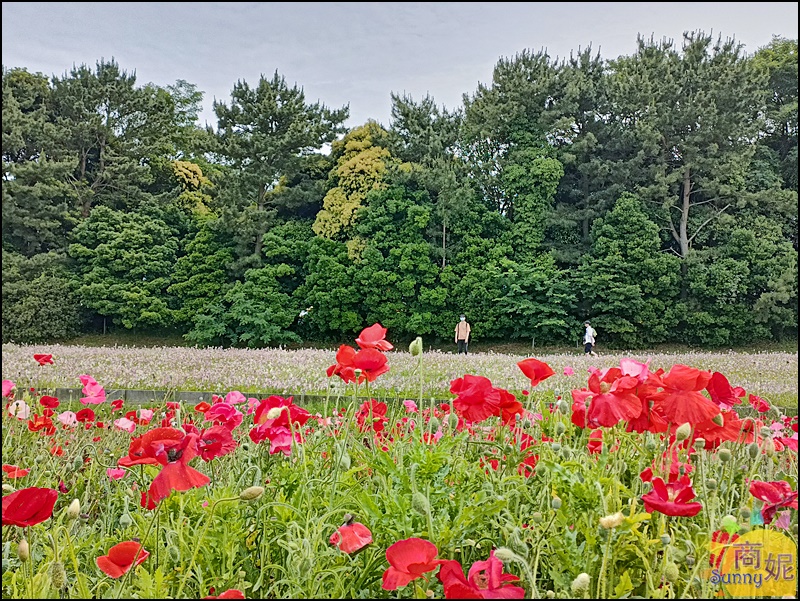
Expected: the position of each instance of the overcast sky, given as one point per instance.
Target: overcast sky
(354, 53)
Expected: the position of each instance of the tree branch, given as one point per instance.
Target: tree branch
(707, 221)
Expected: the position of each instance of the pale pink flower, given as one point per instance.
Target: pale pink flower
(568, 371)
(19, 409)
(537, 417)
(438, 434)
(8, 386)
(68, 418)
(145, 415)
(411, 406)
(123, 423)
(784, 520)
(95, 394)
(234, 397)
(115, 473)
(638, 370)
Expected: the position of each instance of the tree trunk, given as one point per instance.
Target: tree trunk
(683, 230)
(444, 242)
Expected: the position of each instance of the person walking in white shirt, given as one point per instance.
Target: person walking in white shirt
(588, 339)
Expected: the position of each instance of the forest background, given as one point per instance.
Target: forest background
(655, 194)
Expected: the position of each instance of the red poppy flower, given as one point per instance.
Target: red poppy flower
(121, 558)
(409, 559)
(28, 506)
(202, 407)
(613, 399)
(374, 337)
(595, 444)
(216, 441)
(13, 472)
(476, 398)
(351, 537)
(231, 593)
(527, 466)
(721, 391)
(173, 451)
(509, 407)
(720, 541)
(173, 405)
(85, 415)
(371, 362)
(672, 499)
(758, 403)
(117, 405)
(137, 453)
(38, 423)
(44, 359)
(484, 581)
(50, 402)
(732, 429)
(680, 401)
(536, 371)
(372, 415)
(775, 495)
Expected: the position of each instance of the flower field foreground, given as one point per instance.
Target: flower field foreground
(637, 480)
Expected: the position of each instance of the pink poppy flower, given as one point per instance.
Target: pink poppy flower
(8, 386)
(95, 393)
(568, 371)
(68, 418)
(115, 473)
(123, 423)
(411, 406)
(234, 397)
(19, 409)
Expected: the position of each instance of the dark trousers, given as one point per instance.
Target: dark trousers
(462, 347)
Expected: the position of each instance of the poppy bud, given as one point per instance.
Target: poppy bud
(125, 520)
(74, 510)
(7, 488)
(768, 446)
(415, 348)
(560, 428)
(435, 424)
(744, 512)
(174, 553)
(23, 550)
(699, 444)
(252, 493)
(718, 419)
(58, 576)
(563, 406)
(765, 431)
(419, 503)
(683, 432)
(690, 560)
(650, 443)
(724, 455)
(671, 572)
(711, 484)
(274, 413)
(556, 447)
(505, 555)
(752, 450)
(612, 521)
(77, 463)
(537, 517)
(555, 503)
(516, 542)
(744, 530)
(452, 421)
(526, 423)
(665, 539)
(550, 594)
(581, 584)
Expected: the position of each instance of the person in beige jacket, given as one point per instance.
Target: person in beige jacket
(462, 335)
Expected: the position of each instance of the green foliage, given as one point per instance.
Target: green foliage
(40, 302)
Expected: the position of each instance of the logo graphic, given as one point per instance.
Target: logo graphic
(761, 563)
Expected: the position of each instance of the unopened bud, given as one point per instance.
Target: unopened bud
(556, 447)
(174, 553)
(77, 463)
(74, 510)
(699, 444)
(752, 450)
(581, 584)
(768, 446)
(550, 594)
(650, 443)
(506, 555)
(690, 560)
(683, 432)
(612, 521)
(415, 348)
(23, 550)
(419, 503)
(671, 572)
(665, 539)
(435, 424)
(7, 488)
(766, 432)
(452, 421)
(744, 512)
(58, 576)
(274, 413)
(718, 420)
(555, 503)
(724, 455)
(252, 493)
(560, 428)
(125, 520)
(537, 517)
(711, 484)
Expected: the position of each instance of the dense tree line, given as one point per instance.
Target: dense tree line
(654, 193)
